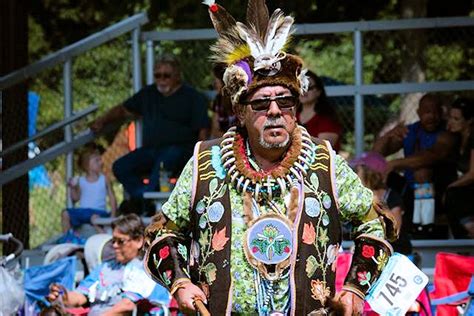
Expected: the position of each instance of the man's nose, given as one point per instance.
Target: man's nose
(273, 109)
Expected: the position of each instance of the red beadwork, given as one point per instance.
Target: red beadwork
(368, 251)
(164, 252)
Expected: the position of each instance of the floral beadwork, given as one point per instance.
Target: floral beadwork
(211, 240)
(183, 251)
(364, 278)
(309, 234)
(270, 242)
(163, 253)
(382, 259)
(219, 240)
(215, 212)
(320, 291)
(368, 251)
(315, 233)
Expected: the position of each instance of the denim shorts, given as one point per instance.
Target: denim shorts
(79, 216)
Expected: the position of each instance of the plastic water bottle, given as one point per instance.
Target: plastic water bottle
(164, 179)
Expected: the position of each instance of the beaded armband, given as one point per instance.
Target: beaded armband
(166, 260)
(370, 257)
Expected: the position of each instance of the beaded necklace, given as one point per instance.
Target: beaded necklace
(276, 181)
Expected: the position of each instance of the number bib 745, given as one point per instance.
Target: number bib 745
(397, 287)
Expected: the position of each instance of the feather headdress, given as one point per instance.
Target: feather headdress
(255, 52)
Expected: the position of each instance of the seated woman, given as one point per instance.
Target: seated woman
(459, 198)
(115, 286)
(318, 115)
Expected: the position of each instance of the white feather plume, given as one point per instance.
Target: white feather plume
(250, 36)
(266, 50)
(304, 81)
(209, 2)
(273, 24)
(279, 36)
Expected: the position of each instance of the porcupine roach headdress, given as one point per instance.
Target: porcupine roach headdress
(254, 52)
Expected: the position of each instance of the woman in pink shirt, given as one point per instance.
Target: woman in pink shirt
(317, 115)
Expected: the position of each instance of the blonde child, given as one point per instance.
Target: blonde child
(90, 190)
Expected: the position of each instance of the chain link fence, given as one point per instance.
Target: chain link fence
(103, 76)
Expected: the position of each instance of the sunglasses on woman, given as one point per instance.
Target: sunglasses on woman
(120, 241)
(285, 102)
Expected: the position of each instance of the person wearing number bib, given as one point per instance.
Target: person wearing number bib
(253, 226)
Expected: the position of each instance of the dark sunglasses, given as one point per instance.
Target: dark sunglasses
(285, 102)
(120, 241)
(165, 75)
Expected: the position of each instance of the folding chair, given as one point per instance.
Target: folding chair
(453, 284)
(38, 278)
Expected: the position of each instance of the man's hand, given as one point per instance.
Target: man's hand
(116, 115)
(186, 296)
(398, 133)
(392, 141)
(353, 304)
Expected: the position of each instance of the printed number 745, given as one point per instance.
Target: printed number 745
(394, 288)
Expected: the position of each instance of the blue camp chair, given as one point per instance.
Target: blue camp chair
(38, 278)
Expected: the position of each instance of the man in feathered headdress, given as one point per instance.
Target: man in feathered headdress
(253, 225)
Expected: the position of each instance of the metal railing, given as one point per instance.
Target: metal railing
(78, 48)
(65, 56)
(49, 130)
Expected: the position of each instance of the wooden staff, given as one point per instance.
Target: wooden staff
(201, 307)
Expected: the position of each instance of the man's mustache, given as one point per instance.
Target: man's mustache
(274, 122)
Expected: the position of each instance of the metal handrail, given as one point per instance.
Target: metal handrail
(50, 129)
(45, 156)
(49, 154)
(75, 49)
(322, 28)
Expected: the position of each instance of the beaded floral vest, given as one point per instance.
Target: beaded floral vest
(220, 166)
